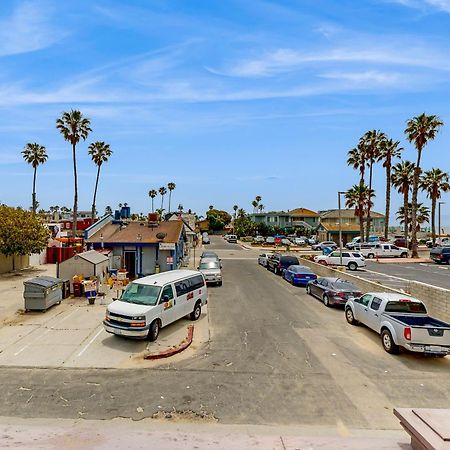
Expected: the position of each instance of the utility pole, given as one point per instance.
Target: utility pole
(340, 227)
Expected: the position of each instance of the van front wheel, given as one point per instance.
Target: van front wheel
(153, 332)
(195, 315)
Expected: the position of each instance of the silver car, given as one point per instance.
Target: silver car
(211, 270)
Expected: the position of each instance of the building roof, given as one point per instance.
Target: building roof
(345, 227)
(271, 213)
(160, 279)
(137, 232)
(92, 256)
(303, 212)
(334, 214)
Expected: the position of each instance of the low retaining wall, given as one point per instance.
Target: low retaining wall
(437, 300)
(9, 263)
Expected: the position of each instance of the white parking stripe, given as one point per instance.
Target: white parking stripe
(26, 346)
(90, 342)
(68, 315)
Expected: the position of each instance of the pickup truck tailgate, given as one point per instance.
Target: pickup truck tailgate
(438, 336)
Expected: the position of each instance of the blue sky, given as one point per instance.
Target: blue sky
(228, 99)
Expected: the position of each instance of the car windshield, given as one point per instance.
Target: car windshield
(141, 294)
(209, 265)
(406, 307)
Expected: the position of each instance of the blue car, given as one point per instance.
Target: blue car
(299, 275)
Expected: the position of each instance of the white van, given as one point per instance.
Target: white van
(150, 303)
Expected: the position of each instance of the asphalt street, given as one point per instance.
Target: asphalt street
(275, 356)
(430, 273)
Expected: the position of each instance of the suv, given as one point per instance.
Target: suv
(278, 263)
(440, 255)
(352, 260)
(322, 245)
(232, 238)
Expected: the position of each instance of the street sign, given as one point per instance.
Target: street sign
(169, 260)
(167, 246)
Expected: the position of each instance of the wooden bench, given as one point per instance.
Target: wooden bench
(429, 428)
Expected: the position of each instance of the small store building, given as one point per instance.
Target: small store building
(87, 264)
(142, 248)
(330, 232)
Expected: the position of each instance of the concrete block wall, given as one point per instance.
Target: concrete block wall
(437, 300)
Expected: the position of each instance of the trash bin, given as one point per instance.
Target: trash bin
(42, 292)
(77, 289)
(65, 289)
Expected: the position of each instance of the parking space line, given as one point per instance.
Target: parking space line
(90, 342)
(68, 315)
(26, 346)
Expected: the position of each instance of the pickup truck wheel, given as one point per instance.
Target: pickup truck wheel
(371, 256)
(388, 343)
(153, 332)
(195, 315)
(352, 266)
(350, 317)
(326, 301)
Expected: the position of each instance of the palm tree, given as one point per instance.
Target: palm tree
(73, 126)
(163, 192)
(100, 152)
(241, 212)
(419, 130)
(422, 215)
(255, 205)
(171, 186)
(402, 179)
(180, 208)
(235, 208)
(389, 149)
(211, 207)
(152, 194)
(371, 141)
(261, 208)
(356, 158)
(34, 154)
(108, 210)
(434, 182)
(360, 198)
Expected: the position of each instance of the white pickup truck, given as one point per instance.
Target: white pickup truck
(381, 250)
(401, 321)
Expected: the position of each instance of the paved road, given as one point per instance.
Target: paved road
(430, 273)
(275, 356)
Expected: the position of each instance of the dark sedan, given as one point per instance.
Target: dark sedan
(299, 275)
(332, 291)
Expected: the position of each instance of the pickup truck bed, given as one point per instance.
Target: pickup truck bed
(419, 321)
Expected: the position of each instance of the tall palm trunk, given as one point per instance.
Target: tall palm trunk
(368, 204)
(417, 171)
(388, 197)
(361, 225)
(162, 202)
(95, 194)
(405, 209)
(153, 208)
(170, 198)
(75, 195)
(433, 217)
(33, 197)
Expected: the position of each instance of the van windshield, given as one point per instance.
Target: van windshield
(141, 294)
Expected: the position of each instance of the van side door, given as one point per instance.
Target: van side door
(169, 304)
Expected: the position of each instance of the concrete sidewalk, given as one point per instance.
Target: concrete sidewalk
(188, 432)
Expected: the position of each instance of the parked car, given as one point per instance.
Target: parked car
(260, 239)
(226, 236)
(209, 254)
(440, 255)
(352, 260)
(382, 250)
(357, 240)
(299, 241)
(232, 239)
(323, 244)
(211, 270)
(311, 241)
(205, 240)
(401, 242)
(150, 303)
(401, 321)
(263, 257)
(299, 275)
(270, 240)
(440, 242)
(332, 291)
(285, 241)
(277, 263)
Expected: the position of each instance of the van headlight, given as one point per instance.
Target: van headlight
(138, 318)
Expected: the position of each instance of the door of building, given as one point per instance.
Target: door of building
(130, 263)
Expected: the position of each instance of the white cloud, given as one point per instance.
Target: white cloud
(441, 5)
(27, 29)
(364, 77)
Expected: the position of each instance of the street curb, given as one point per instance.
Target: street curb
(183, 345)
(402, 260)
